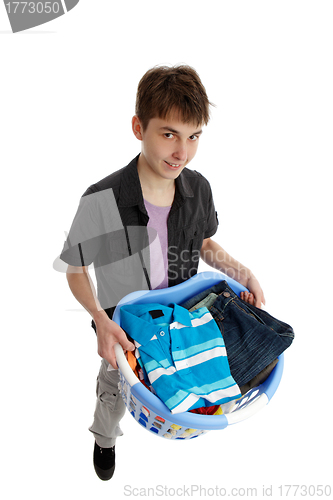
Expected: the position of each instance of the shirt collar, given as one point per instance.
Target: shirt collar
(142, 330)
(181, 315)
(183, 186)
(130, 188)
(130, 193)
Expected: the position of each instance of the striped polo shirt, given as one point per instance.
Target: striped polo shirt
(182, 353)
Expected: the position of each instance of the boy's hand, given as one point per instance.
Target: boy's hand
(256, 295)
(110, 333)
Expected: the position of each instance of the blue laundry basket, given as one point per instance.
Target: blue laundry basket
(148, 410)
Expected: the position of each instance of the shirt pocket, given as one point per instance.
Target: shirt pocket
(123, 263)
(193, 236)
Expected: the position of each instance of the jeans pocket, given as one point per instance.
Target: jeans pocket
(282, 329)
(244, 308)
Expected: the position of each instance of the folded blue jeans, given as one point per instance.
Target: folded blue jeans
(253, 338)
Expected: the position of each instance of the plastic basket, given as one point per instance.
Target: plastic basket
(148, 410)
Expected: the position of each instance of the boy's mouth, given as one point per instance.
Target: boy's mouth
(172, 165)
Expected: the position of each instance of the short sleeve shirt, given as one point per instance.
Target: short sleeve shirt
(110, 231)
(183, 354)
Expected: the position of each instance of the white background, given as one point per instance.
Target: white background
(67, 98)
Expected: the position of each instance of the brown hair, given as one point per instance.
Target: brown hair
(165, 89)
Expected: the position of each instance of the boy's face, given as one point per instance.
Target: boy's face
(168, 145)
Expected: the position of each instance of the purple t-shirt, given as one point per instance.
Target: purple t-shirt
(158, 217)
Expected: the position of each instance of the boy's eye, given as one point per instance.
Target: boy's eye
(168, 135)
(193, 137)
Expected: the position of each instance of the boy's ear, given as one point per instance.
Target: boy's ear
(137, 127)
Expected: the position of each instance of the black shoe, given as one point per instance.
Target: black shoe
(104, 462)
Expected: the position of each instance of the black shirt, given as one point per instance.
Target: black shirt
(110, 231)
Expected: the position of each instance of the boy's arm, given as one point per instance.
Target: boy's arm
(108, 332)
(214, 255)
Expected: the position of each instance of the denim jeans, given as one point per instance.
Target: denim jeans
(253, 338)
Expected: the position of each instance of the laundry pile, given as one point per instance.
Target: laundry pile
(206, 352)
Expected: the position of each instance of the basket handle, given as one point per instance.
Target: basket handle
(247, 411)
(124, 366)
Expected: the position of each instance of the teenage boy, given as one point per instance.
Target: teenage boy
(145, 226)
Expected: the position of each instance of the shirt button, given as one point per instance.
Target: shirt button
(162, 333)
(226, 294)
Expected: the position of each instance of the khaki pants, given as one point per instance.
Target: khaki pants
(110, 408)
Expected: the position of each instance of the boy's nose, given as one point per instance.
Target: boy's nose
(181, 153)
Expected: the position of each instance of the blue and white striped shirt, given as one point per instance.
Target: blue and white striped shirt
(183, 354)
